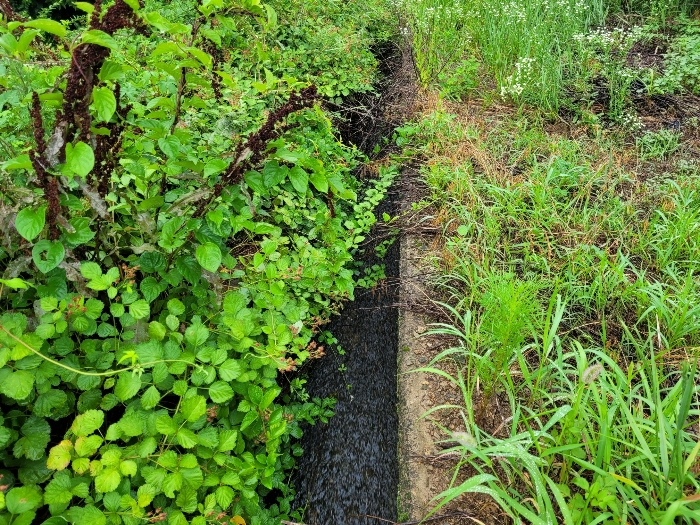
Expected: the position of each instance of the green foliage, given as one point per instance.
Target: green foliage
(657, 145)
(184, 220)
(575, 299)
(682, 62)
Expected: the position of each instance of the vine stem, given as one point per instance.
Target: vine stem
(83, 372)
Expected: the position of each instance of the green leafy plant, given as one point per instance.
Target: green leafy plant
(183, 222)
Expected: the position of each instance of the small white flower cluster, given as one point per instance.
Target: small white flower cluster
(618, 38)
(515, 84)
(631, 121)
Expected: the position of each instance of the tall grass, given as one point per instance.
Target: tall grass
(528, 46)
(577, 300)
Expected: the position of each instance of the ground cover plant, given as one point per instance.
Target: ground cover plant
(567, 268)
(178, 221)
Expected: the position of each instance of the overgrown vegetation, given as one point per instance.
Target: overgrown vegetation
(178, 222)
(569, 257)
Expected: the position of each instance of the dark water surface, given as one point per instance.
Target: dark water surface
(349, 467)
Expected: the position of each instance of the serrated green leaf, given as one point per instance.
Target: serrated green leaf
(18, 384)
(150, 398)
(108, 480)
(150, 288)
(220, 392)
(140, 309)
(60, 455)
(230, 370)
(58, 490)
(166, 425)
(176, 307)
(186, 438)
(87, 446)
(22, 499)
(193, 407)
(196, 334)
(127, 386)
(90, 270)
(249, 419)
(128, 467)
(36, 434)
(86, 423)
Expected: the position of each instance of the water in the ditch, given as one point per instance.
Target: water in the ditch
(349, 468)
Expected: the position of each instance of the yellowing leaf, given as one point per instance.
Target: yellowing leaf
(59, 456)
(238, 520)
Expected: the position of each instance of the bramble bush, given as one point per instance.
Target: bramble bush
(178, 222)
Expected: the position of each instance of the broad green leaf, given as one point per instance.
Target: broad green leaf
(87, 446)
(274, 173)
(104, 102)
(90, 270)
(80, 158)
(190, 268)
(23, 499)
(320, 181)
(299, 179)
(47, 255)
(230, 370)
(60, 455)
(170, 145)
(186, 438)
(140, 309)
(193, 407)
(214, 167)
(17, 385)
(30, 223)
(85, 6)
(50, 26)
(100, 38)
(220, 392)
(127, 386)
(108, 480)
(150, 398)
(209, 256)
(23, 162)
(86, 423)
(110, 71)
(82, 233)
